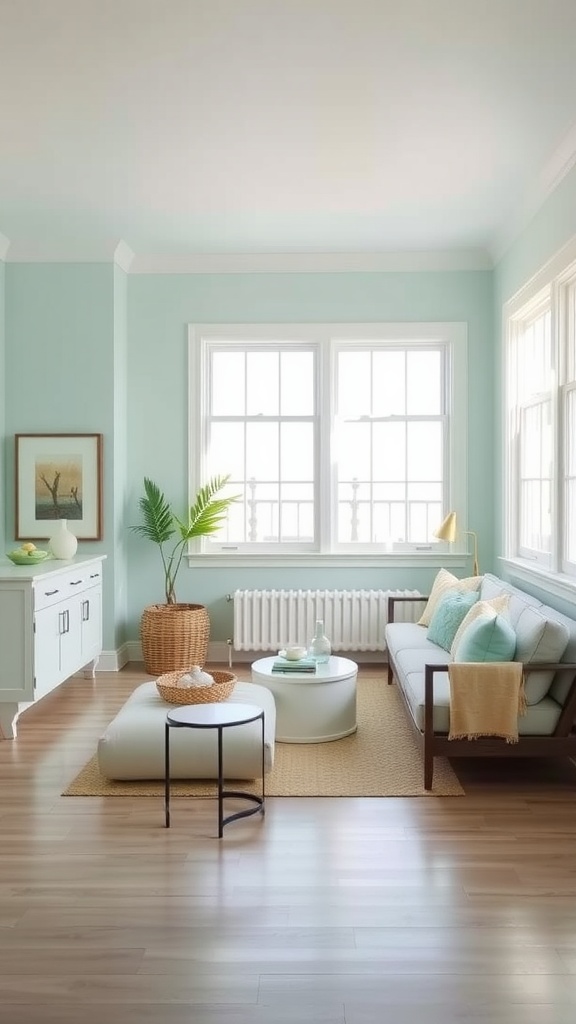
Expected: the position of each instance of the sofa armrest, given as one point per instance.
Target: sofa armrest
(393, 601)
(569, 710)
(429, 671)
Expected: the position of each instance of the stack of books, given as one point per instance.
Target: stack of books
(283, 665)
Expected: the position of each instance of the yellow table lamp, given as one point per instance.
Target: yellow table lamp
(447, 531)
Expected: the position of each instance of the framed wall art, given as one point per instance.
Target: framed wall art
(58, 476)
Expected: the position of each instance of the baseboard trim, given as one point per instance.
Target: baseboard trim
(133, 650)
(220, 652)
(113, 661)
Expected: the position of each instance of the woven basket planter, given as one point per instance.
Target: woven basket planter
(174, 637)
(221, 688)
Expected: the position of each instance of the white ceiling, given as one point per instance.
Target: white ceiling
(187, 127)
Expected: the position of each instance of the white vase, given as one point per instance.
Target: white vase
(63, 543)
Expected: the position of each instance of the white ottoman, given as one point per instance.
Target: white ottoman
(133, 745)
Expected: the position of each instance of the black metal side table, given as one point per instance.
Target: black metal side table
(215, 716)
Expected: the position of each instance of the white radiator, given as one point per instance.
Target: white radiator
(354, 620)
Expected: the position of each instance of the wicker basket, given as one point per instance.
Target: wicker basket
(174, 636)
(222, 687)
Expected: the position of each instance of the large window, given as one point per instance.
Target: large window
(338, 438)
(541, 423)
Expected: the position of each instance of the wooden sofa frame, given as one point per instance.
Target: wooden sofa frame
(562, 743)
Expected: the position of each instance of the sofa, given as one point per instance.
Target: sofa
(545, 644)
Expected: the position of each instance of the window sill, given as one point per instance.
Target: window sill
(557, 584)
(404, 560)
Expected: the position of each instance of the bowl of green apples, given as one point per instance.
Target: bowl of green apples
(27, 554)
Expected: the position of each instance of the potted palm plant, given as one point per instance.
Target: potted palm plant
(175, 636)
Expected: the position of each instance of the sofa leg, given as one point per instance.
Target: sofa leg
(428, 769)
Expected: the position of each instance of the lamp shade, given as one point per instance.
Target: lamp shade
(447, 531)
(447, 528)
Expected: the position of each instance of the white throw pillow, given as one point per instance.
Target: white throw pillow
(446, 581)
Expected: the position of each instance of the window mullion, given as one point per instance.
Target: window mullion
(557, 333)
(325, 491)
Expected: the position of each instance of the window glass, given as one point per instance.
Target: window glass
(228, 383)
(389, 383)
(424, 383)
(262, 384)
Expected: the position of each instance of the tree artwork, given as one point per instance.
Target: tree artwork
(59, 488)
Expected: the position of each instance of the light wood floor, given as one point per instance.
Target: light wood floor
(407, 911)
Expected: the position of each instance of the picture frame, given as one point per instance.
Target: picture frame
(58, 476)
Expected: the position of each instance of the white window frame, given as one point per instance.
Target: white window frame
(517, 408)
(451, 334)
(549, 285)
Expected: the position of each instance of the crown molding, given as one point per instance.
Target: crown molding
(562, 161)
(123, 256)
(42, 250)
(558, 262)
(314, 263)
(4, 246)
(41, 253)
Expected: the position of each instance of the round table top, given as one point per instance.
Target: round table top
(210, 716)
(330, 671)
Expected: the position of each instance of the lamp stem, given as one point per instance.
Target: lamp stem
(475, 566)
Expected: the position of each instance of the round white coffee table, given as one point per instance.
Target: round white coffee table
(312, 708)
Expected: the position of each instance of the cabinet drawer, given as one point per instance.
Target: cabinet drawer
(61, 587)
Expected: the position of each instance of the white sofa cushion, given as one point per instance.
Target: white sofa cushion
(539, 639)
(540, 719)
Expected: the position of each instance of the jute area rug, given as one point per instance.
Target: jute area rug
(381, 759)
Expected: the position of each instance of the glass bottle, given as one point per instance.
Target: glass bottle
(320, 647)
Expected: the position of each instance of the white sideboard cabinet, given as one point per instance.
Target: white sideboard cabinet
(50, 628)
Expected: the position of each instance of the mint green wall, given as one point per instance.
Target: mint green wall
(160, 308)
(552, 227)
(3, 493)
(91, 349)
(60, 373)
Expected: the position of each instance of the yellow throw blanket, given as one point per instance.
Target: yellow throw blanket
(486, 699)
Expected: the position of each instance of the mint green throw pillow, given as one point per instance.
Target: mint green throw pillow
(448, 615)
(487, 638)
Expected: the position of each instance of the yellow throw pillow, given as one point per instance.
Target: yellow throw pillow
(495, 606)
(446, 581)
